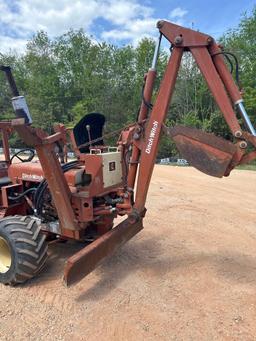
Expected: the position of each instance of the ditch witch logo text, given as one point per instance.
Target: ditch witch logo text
(151, 137)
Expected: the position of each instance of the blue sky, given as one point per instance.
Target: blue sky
(116, 21)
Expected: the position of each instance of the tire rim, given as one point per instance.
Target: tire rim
(5, 256)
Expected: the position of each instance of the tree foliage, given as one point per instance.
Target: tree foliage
(66, 77)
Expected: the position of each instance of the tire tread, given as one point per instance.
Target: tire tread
(30, 246)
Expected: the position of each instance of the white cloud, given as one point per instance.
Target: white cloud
(54, 16)
(130, 20)
(121, 12)
(9, 43)
(178, 13)
(133, 31)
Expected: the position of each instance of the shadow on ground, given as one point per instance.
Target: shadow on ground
(149, 258)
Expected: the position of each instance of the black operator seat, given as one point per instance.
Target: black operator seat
(96, 123)
(4, 181)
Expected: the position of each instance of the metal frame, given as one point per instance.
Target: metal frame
(144, 137)
(220, 83)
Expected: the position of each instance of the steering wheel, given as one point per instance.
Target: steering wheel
(27, 158)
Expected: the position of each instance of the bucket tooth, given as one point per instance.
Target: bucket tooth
(208, 153)
(86, 260)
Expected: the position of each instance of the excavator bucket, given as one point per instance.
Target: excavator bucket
(86, 260)
(208, 153)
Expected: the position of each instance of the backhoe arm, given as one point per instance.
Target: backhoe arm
(210, 154)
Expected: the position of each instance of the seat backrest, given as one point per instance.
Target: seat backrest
(96, 122)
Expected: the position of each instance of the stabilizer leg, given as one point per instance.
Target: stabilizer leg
(86, 260)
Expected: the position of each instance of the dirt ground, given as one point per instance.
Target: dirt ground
(189, 275)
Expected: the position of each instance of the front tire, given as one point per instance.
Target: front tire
(23, 249)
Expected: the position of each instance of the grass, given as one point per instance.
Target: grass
(251, 167)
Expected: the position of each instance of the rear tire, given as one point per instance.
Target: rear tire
(23, 249)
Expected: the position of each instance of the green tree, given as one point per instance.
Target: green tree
(242, 42)
(69, 76)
